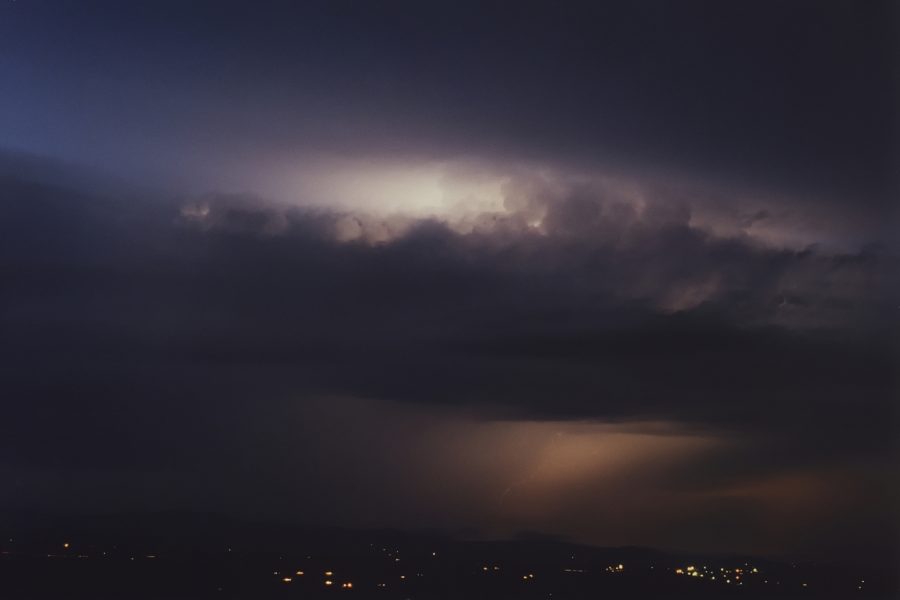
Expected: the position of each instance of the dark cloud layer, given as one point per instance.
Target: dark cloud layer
(681, 307)
(122, 321)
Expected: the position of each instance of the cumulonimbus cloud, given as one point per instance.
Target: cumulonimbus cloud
(577, 306)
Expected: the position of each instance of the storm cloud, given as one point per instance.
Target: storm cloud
(626, 274)
(176, 335)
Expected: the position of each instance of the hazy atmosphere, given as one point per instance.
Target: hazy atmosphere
(625, 274)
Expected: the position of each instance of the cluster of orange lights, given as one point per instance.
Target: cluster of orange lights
(728, 575)
(347, 585)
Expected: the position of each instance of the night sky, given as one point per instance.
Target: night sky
(623, 273)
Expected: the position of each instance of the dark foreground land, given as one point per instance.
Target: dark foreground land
(196, 556)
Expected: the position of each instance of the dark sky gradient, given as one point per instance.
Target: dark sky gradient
(651, 298)
(795, 94)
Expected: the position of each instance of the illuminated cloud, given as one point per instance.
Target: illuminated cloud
(620, 274)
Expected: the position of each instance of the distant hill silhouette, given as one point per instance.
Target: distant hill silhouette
(204, 555)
